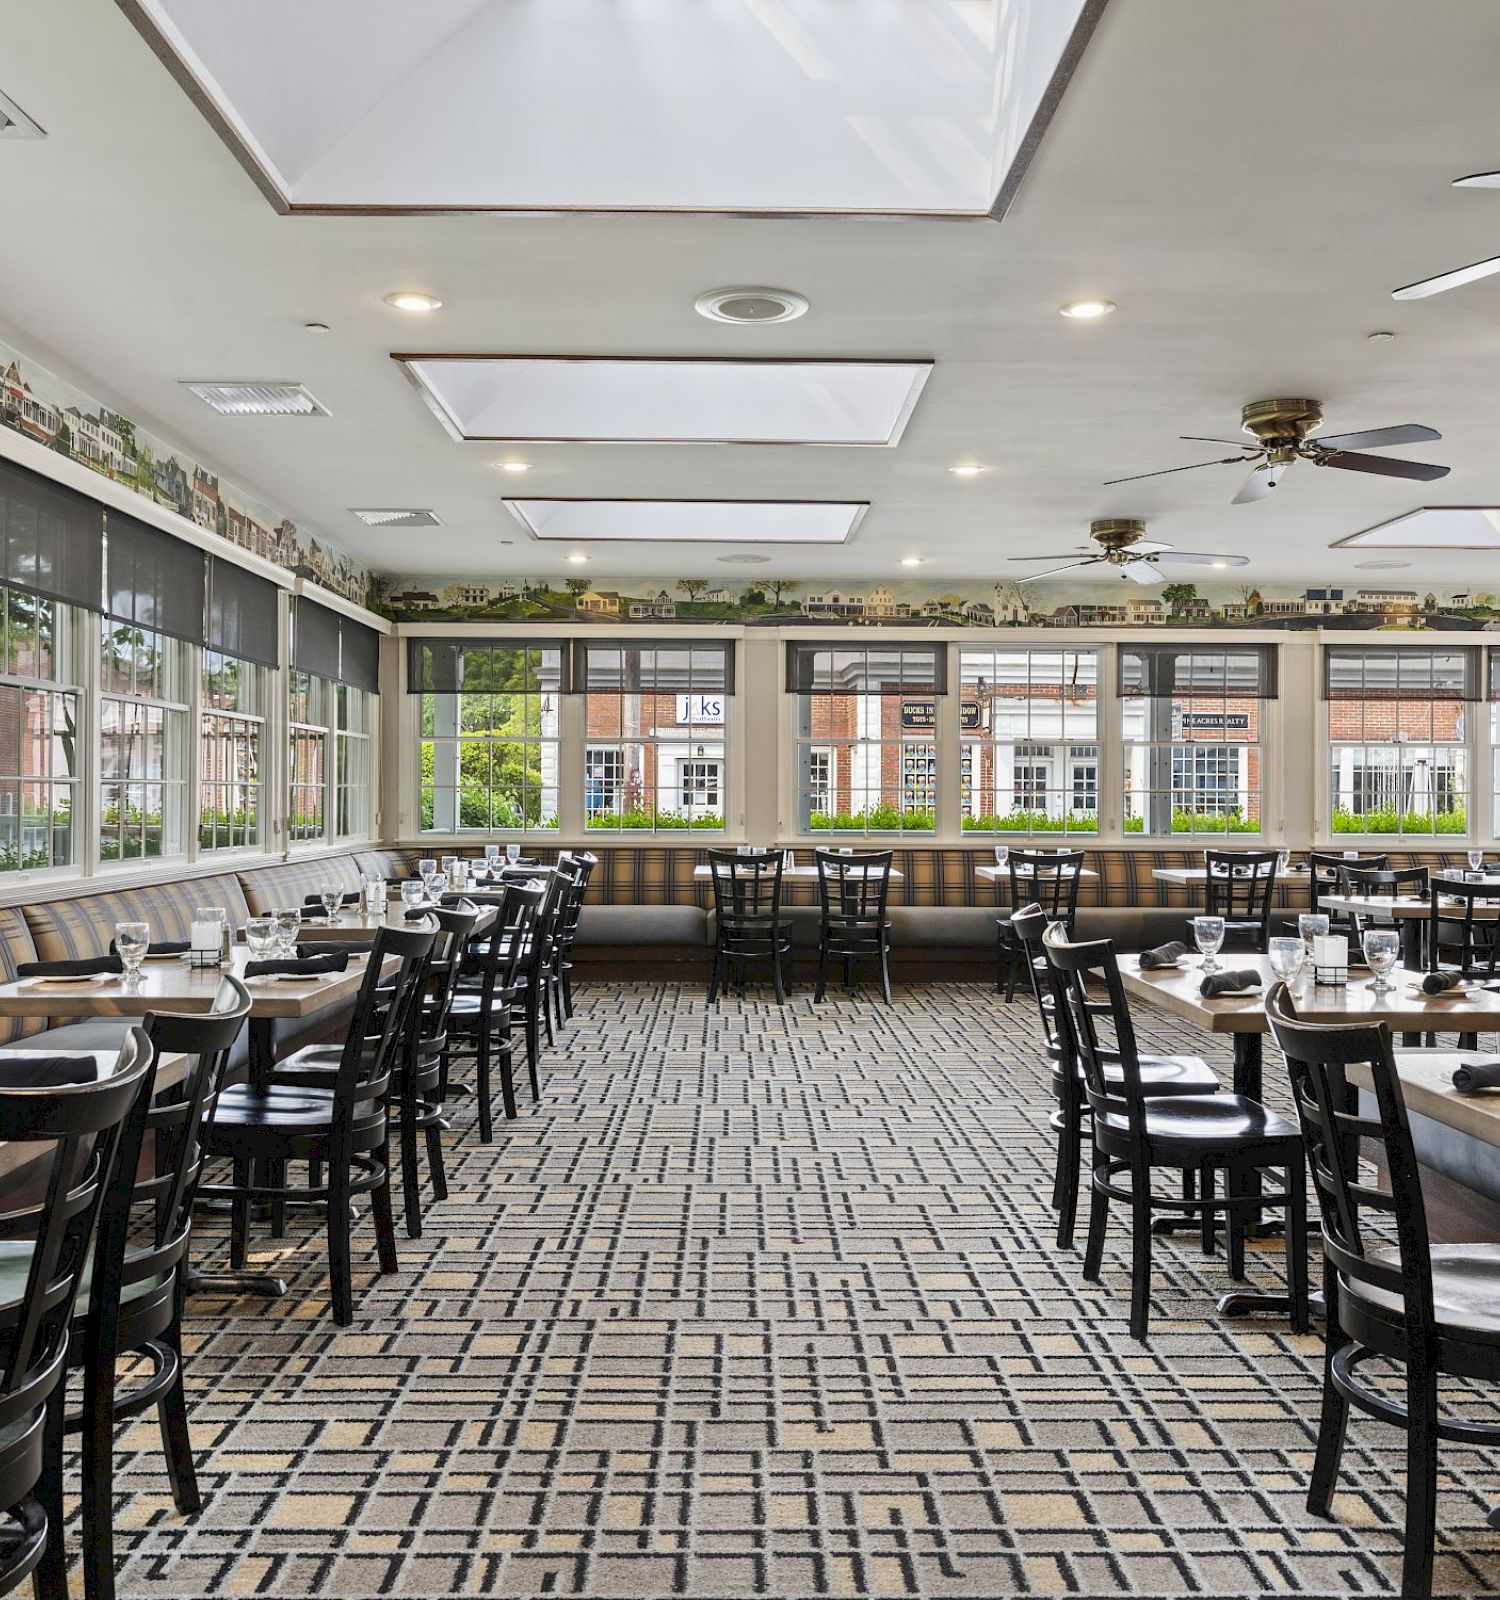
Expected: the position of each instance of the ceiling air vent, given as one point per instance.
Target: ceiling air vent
(258, 399)
(395, 517)
(15, 124)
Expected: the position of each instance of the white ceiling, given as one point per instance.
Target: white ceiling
(1247, 182)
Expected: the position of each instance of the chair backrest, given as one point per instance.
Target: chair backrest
(456, 924)
(511, 945)
(1238, 884)
(386, 1010)
(1462, 922)
(584, 863)
(1385, 881)
(1325, 874)
(1071, 967)
(746, 887)
(1029, 924)
(854, 888)
(1051, 880)
(1318, 1058)
(95, 1132)
(166, 1180)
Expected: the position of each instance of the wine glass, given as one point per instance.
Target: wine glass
(332, 896)
(491, 855)
(1382, 947)
(132, 941)
(425, 865)
(512, 853)
(1208, 935)
(260, 936)
(1287, 955)
(1283, 863)
(1002, 855)
(412, 894)
(288, 925)
(1311, 925)
(437, 884)
(1476, 861)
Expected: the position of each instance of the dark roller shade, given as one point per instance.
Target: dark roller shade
(866, 669)
(359, 657)
(243, 611)
(484, 666)
(153, 581)
(315, 639)
(1162, 671)
(51, 539)
(1401, 672)
(662, 666)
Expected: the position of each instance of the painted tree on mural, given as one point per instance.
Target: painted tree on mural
(1177, 596)
(691, 587)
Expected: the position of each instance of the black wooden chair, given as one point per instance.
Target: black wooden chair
(537, 973)
(1135, 1135)
(853, 892)
(342, 1128)
(1431, 1310)
(1160, 1075)
(143, 1317)
(567, 934)
(1463, 931)
(1385, 883)
(1037, 877)
(87, 1140)
(748, 924)
(1238, 886)
(1324, 877)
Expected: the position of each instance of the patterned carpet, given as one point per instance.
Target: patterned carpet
(764, 1301)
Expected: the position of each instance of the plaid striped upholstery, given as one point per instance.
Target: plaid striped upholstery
(16, 945)
(65, 930)
(289, 884)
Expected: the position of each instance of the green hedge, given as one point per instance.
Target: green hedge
(882, 818)
(1033, 822)
(638, 817)
(1386, 819)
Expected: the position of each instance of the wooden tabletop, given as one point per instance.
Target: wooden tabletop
(1405, 1010)
(702, 870)
(1427, 1086)
(1185, 876)
(173, 985)
(1002, 874)
(1404, 907)
(353, 926)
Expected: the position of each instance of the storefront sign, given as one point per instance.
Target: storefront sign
(920, 715)
(695, 709)
(1233, 722)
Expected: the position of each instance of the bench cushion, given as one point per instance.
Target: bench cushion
(16, 945)
(268, 888)
(642, 925)
(66, 930)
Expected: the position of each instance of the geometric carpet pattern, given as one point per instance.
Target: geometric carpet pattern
(765, 1300)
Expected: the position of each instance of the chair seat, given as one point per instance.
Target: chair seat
(298, 1109)
(15, 1268)
(1465, 1289)
(469, 1003)
(1166, 1075)
(1213, 1121)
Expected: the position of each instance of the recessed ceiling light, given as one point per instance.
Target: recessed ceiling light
(1380, 566)
(316, 327)
(743, 561)
(912, 561)
(577, 559)
(1380, 336)
(413, 300)
(1218, 563)
(1087, 310)
(750, 305)
(967, 469)
(514, 466)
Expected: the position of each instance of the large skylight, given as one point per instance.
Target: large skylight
(533, 398)
(1432, 528)
(689, 521)
(884, 106)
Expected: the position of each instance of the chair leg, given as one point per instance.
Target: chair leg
(276, 1176)
(776, 983)
(1208, 1218)
(544, 1006)
(1333, 1419)
(1296, 1243)
(1236, 1221)
(885, 973)
(340, 1270)
(51, 1575)
(1140, 1253)
(97, 1468)
(239, 1217)
(507, 1076)
(822, 986)
(1066, 1176)
(411, 1178)
(176, 1442)
(482, 1084)
(1421, 1481)
(435, 1162)
(713, 973)
(380, 1210)
(1093, 1254)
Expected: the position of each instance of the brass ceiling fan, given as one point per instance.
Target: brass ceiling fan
(1121, 544)
(1281, 428)
(1459, 275)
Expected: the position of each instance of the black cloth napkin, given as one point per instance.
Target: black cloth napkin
(161, 947)
(1163, 955)
(1226, 982)
(310, 952)
(86, 968)
(1471, 1076)
(316, 900)
(1437, 982)
(46, 1072)
(304, 966)
(417, 913)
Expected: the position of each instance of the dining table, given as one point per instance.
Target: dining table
(1187, 877)
(997, 874)
(354, 925)
(703, 872)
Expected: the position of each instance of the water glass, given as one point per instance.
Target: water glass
(412, 894)
(492, 852)
(1208, 935)
(1002, 854)
(260, 936)
(1382, 948)
(1311, 925)
(332, 896)
(1287, 955)
(1283, 863)
(426, 865)
(1476, 860)
(288, 926)
(512, 853)
(132, 941)
(437, 885)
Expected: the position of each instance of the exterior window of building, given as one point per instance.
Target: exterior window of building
(1192, 729)
(490, 717)
(866, 761)
(1029, 724)
(39, 700)
(655, 718)
(229, 752)
(310, 733)
(353, 765)
(143, 743)
(1398, 738)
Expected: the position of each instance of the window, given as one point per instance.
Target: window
(229, 752)
(654, 720)
(1398, 738)
(143, 748)
(334, 685)
(1192, 729)
(1029, 725)
(38, 732)
(353, 766)
(866, 760)
(489, 734)
(309, 734)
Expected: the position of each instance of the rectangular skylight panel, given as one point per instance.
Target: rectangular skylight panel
(1432, 528)
(743, 522)
(555, 398)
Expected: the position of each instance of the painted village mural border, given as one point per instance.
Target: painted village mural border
(44, 408)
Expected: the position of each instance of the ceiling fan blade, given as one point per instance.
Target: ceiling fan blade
(1193, 467)
(1196, 558)
(1478, 180)
(1384, 466)
(1144, 571)
(1057, 555)
(1209, 438)
(1377, 438)
(1447, 280)
(1260, 482)
(1031, 577)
